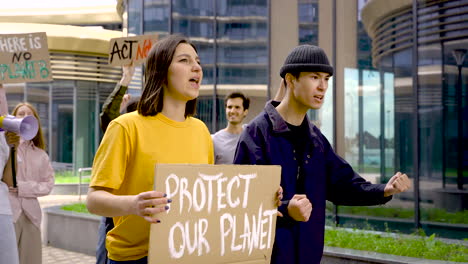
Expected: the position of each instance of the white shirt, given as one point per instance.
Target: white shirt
(225, 145)
(5, 208)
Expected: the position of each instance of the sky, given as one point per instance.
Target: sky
(7, 4)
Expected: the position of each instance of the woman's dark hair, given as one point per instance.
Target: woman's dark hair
(157, 66)
(132, 104)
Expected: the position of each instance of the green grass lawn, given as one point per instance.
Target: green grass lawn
(417, 247)
(414, 246)
(68, 177)
(77, 207)
(428, 214)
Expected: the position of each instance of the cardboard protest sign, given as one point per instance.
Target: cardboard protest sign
(218, 214)
(122, 51)
(24, 58)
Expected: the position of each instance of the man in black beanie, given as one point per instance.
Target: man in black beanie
(311, 172)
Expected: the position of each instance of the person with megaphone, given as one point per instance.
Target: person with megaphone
(34, 178)
(8, 248)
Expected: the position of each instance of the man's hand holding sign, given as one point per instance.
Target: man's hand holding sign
(221, 211)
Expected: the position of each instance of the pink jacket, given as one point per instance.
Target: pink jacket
(35, 177)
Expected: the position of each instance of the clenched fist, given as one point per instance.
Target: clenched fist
(300, 208)
(397, 184)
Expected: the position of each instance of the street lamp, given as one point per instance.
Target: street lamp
(459, 55)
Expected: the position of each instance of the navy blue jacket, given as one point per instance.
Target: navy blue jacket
(326, 177)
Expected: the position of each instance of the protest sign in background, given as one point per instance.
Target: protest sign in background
(24, 58)
(123, 51)
(218, 214)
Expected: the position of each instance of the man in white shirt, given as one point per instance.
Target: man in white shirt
(225, 140)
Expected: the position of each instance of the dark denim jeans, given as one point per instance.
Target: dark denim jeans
(138, 261)
(105, 225)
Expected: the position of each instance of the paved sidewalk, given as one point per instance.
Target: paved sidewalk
(51, 255)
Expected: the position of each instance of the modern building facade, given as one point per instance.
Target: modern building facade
(232, 40)
(397, 101)
(418, 49)
(69, 106)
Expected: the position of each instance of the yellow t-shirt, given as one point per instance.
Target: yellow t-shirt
(125, 162)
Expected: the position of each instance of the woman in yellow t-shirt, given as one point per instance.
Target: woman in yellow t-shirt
(161, 131)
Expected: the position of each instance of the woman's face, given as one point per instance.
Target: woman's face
(185, 74)
(24, 111)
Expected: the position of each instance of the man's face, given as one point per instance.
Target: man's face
(235, 112)
(309, 89)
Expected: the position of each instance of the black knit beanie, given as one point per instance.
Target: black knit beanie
(306, 58)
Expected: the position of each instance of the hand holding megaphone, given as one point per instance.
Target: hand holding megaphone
(12, 139)
(26, 127)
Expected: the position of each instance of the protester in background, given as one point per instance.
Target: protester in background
(117, 100)
(161, 131)
(8, 246)
(35, 178)
(311, 172)
(115, 104)
(237, 107)
(225, 140)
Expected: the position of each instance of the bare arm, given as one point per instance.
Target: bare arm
(101, 201)
(8, 175)
(281, 92)
(128, 71)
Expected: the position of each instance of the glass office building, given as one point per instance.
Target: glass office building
(418, 51)
(397, 101)
(231, 38)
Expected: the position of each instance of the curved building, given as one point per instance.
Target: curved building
(69, 106)
(424, 45)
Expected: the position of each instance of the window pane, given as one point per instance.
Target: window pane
(351, 109)
(156, 16)
(371, 122)
(62, 121)
(389, 125)
(242, 36)
(85, 123)
(134, 17)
